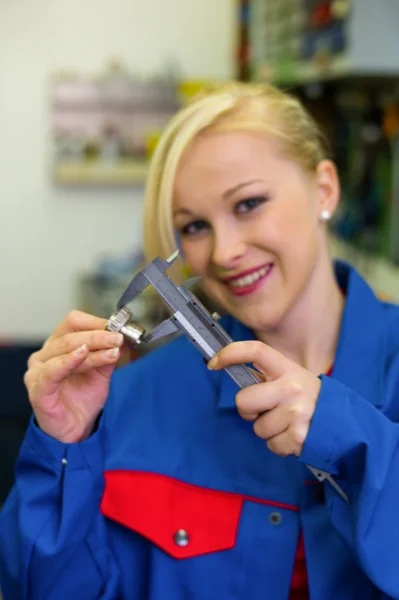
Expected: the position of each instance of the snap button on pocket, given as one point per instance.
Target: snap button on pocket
(182, 519)
(181, 538)
(275, 518)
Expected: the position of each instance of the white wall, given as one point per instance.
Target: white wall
(47, 235)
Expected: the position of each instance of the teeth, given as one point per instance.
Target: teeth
(249, 279)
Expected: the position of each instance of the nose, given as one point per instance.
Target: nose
(228, 247)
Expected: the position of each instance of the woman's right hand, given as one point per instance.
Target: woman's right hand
(68, 379)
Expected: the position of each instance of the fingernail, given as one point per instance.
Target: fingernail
(81, 350)
(111, 353)
(115, 339)
(213, 363)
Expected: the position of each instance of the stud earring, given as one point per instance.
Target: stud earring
(325, 215)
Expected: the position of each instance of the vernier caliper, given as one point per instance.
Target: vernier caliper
(189, 317)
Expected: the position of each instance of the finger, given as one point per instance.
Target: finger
(81, 360)
(56, 370)
(271, 424)
(100, 361)
(270, 362)
(33, 359)
(258, 398)
(95, 340)
(76, 321)
(286, 443)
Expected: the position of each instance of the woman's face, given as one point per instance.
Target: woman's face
(249, 223)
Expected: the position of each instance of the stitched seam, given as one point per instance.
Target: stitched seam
(55, 463)
(85, 467)
(211, 490)
(96, 562)
(50, 463)
(82, 454)
(32, 550)
(335, 439)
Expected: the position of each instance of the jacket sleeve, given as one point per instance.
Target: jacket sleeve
(53, 542)
(356, 442)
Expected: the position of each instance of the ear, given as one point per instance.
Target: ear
(327, 187)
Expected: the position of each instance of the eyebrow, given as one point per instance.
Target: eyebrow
(238, 187)
(182, 211)
(225, 195)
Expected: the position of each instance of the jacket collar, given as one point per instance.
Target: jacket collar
(360, 356)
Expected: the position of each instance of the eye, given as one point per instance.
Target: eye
(250, 204)
(193, 228)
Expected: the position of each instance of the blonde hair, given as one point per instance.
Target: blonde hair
(231, 107)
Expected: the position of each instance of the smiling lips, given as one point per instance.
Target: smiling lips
(249, 281)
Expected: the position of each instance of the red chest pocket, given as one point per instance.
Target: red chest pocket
(182, 519)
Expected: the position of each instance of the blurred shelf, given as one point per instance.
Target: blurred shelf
(292, 45)
(101, 173)
(290, 72)
(319, 69)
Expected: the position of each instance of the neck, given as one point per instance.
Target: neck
(308, 334)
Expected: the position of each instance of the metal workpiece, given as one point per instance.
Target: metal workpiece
(122, 322)
(190, 318)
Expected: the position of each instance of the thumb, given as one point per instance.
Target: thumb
(269, 361)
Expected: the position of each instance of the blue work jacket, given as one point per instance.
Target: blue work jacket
(175, 498)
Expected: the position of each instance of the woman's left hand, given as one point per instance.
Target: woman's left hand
(282, 404)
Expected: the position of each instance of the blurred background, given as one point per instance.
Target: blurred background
(85, 90)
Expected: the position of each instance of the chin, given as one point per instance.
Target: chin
(253, 316)
(258, 322)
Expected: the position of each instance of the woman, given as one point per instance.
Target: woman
(158, 484)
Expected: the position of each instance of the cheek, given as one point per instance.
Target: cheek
(196, 255)
(295, 228)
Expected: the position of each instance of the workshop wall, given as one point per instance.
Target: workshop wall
(49, 235)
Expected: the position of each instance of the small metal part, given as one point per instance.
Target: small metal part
(216, 316)
(189, 283)
(275, 518)
(173, 256)
(324, 476)
(163, 330)
(121, 322)
(181, 538)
